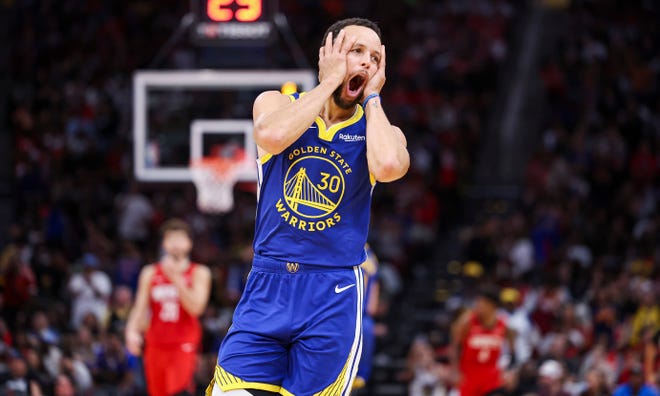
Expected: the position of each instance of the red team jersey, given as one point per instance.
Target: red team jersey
(480, 353)
(172, 340)
(170, 324)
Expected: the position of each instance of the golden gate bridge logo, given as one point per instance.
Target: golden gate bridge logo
(314, 190)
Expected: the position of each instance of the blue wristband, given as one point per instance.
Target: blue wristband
(368, 98)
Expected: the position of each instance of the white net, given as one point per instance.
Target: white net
(214, 179)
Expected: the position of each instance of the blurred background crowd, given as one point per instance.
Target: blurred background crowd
(576, 250)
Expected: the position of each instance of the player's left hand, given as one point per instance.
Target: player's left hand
(376, 82)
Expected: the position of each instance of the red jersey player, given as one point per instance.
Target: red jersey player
(175, 292)
(478, 338)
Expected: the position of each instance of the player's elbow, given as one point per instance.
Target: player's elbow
(391, 170)
(271, 139)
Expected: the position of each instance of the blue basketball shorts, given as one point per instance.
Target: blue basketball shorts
(297, 330)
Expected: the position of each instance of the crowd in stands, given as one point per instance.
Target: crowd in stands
(580, 252)
(579, 255)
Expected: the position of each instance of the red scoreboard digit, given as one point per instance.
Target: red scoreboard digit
(232, 21)
(222, 11)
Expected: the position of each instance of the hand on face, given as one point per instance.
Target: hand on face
(332, 58)
(172, 268)
(376, 82)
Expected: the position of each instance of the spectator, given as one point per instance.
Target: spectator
(36, 368)
(5, 334)
(522, 252)
(548, 301)
(425, 375)
(135, 215)
(524, 330)
(64, 386)
(600, 359)
(595, 385)
(652, 358)
(72, 366)
(18, 381)
(90, 290)
(551, 379)
(647, 315)
(85, 346)
(128, 265)
(19, 284)
(111, 369)
(42, 329)
(122, 298)
(527, 379)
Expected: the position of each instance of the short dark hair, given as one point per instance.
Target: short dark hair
(489, 292)
(336, 27)
(175, 224)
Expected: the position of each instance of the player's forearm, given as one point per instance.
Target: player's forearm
(387, 155)
(277, 130)
(192, 302)
(133, 324)
(136, 317)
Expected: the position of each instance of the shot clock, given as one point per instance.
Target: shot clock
(233, 22)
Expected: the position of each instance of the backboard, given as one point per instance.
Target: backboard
(179, 115)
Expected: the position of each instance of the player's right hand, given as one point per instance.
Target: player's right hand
(134, 342)
(332, 58)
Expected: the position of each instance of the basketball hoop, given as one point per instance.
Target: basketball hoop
(215, 177)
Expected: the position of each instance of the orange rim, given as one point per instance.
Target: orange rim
(223, 168)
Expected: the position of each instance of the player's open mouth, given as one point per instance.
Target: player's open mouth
(355, 85)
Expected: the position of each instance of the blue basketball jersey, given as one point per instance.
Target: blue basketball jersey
(315, 197)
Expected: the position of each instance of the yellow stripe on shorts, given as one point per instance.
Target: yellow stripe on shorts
(227, 381)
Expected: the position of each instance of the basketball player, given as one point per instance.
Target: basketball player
(371, 295)
(478, 338)
(171, 295)
(297, 327)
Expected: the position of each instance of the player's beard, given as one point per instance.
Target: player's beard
(339, 101)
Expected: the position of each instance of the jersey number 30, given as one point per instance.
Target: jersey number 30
(484, 355)
(169, 311)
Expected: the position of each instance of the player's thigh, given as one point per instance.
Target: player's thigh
(155, 370)
(324, 357)
(254, 349)
(251, 357)
(180, 370)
